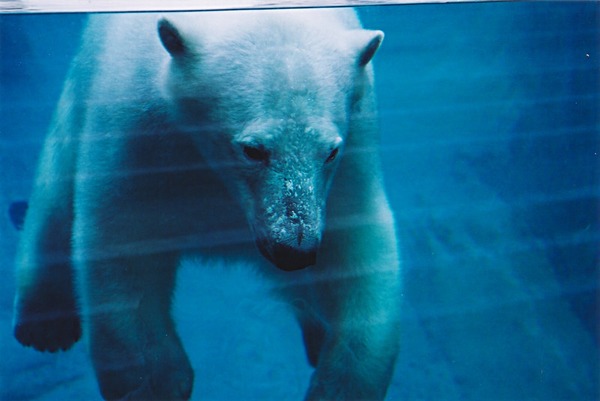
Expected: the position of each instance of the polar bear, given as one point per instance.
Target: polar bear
(240, 135)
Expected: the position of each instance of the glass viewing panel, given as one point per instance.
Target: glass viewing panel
(326, 191)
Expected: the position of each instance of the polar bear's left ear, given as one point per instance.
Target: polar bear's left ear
(367, 42)
(171, 38)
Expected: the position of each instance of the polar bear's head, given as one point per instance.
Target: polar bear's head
(268, 103)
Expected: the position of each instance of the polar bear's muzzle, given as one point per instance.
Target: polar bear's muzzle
(287, 219)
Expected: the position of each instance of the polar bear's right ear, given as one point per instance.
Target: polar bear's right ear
(367, 42)
(171, 38)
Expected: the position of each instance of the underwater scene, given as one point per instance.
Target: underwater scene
(287, 205)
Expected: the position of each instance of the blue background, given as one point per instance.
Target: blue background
(490, 140)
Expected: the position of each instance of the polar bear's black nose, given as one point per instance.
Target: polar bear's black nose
(289, 258)
(286, 257)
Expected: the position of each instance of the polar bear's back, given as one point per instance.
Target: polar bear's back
(126, 52)
(220, 23)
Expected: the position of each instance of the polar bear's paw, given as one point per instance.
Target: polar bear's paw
(47, 326)
(164, 373)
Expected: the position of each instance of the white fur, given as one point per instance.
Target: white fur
(146, 162)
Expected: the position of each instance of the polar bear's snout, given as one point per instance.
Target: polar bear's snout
(288, 215)
(291, 243)
(288, 229)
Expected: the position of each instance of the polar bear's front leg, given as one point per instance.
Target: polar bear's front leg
(135, 349)
(46, 310)
(354, 366)
(357, 294)
(357, 359)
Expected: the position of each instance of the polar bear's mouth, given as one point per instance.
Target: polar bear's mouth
(287, 257)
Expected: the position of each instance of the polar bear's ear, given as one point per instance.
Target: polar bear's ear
(368, 42)
(171, 38)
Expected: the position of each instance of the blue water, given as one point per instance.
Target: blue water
(491, 148)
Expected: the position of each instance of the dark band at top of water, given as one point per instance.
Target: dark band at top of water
(69, 6)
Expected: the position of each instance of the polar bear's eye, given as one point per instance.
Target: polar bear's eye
(256, 153)
(332, 155)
